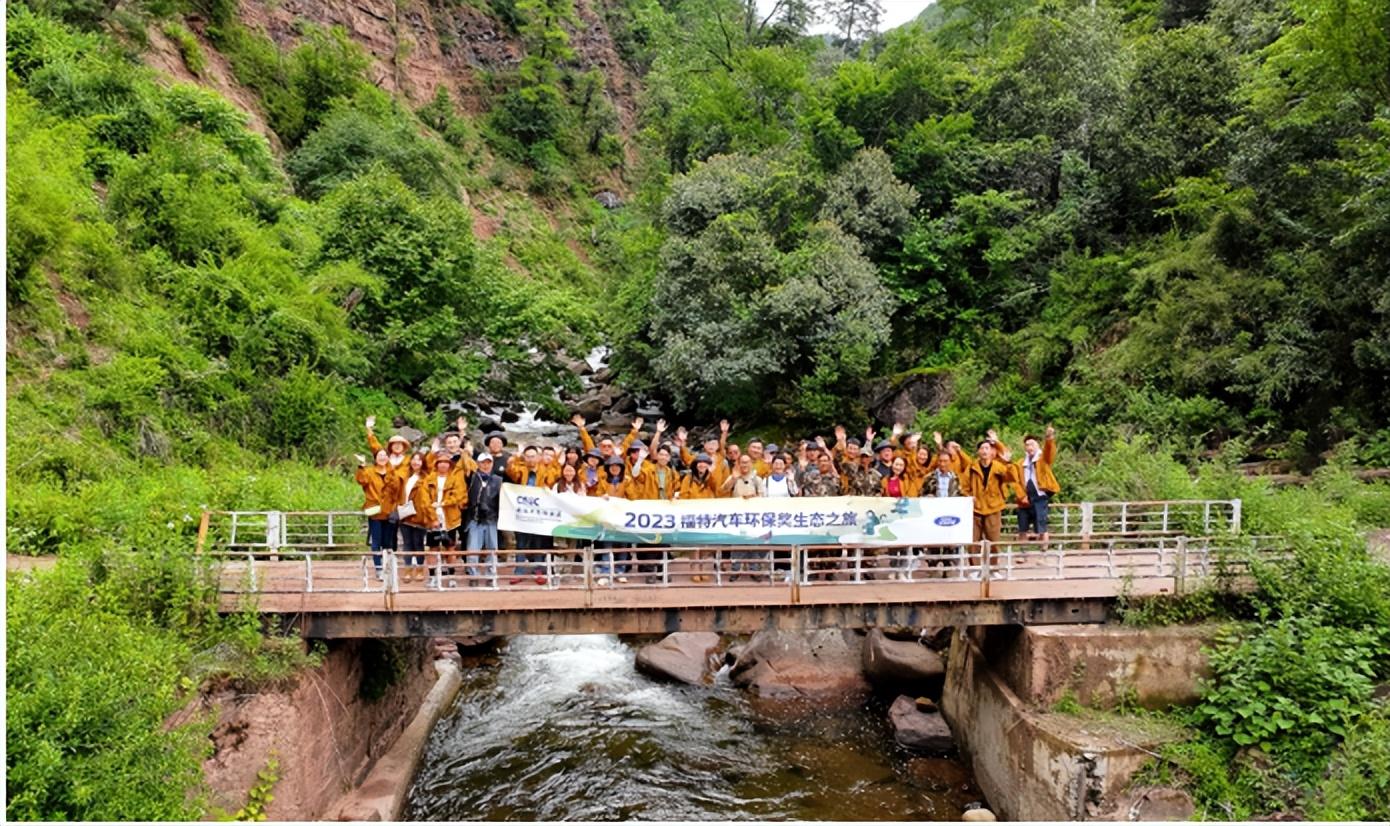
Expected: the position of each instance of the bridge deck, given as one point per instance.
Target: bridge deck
(339, 593)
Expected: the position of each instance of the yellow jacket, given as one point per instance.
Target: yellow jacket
(718, 466)
(989, 495)
(403, 495)
(455, 500)
(546, 474)
(643, 483)
(379, 485)
(692, 488)
(1042, 469)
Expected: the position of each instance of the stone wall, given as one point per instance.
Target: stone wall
(324, 735)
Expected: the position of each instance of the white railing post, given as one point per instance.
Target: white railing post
(1088, 518)
(393, 579)
(1180, 573)
(1165, 517)
(251, 561)
(308, 572)
(1235, 515)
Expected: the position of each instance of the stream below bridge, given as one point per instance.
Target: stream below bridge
(565, 728)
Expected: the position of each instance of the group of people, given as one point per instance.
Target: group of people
(445, 499)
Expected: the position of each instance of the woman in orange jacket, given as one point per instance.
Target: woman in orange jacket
(379, 485)
(411, 522)
(397, 447)
(442, 498)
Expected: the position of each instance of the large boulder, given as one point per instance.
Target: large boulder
(899, 398)
(919, 730)
(823, 666)
(684, 657)
(906, 663)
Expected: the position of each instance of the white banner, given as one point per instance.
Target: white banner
(835, 520)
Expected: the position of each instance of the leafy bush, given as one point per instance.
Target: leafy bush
(1294, 689)
(351, 141)
(86, 736)
(1358, 782)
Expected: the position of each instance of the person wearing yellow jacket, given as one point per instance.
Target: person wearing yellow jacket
(380, 484)
(700, 482)
(988, 480)
(653, 478)
(442, 498)
(397, 447)
(412, 522)
(527, 470)
(605, 446)
(1038, 485)
(713, 451)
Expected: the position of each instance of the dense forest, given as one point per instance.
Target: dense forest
(1158, 224)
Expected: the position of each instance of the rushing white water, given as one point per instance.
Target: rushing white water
(564, 728)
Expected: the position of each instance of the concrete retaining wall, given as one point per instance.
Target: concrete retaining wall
(1033, 764)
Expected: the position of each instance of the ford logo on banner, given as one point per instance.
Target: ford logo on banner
(947, 521)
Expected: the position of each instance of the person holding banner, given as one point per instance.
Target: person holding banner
(527, 470)
(380, 485)
(653, 481)
(605, 564)
(699, 482)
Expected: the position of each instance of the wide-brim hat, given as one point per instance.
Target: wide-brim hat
(594, 454)
(484, 457)
(703, 457)
(772, 449)
(496, 434)
(614, 460)
(637, 445)
(398, 438)
(882, 445)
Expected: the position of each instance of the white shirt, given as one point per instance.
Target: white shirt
(775, 487)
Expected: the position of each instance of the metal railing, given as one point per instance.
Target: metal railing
(272, 532)
(1181, 562)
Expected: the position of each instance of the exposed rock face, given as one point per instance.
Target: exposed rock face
(900, 398)
(917, 729)
(324, 732)
(418, 45)
(906, 663)
(683, 657)
(824, 666)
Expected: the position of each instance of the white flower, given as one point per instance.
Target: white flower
(171, 526)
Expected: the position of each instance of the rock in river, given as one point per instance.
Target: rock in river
(818, 665)
(919, 730)
(683, 656)
(900, 662)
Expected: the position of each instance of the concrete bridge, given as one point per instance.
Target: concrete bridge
(311, 569)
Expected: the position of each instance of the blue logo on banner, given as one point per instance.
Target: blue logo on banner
(947, 521)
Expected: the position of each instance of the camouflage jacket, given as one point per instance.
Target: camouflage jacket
(817, 484)
(860, 482)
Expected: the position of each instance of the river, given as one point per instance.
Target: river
(565, 728)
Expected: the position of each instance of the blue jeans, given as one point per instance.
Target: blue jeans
(381, 533)
(482, 536)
